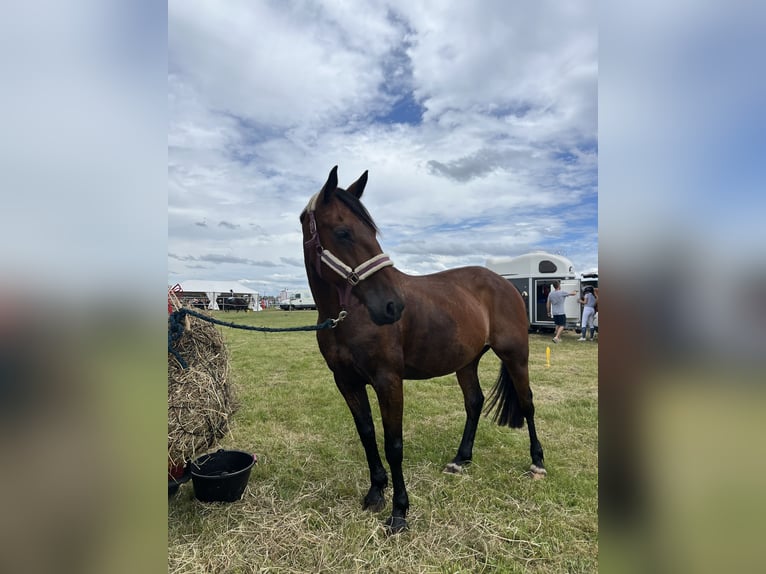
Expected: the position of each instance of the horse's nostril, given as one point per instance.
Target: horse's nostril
(391, 309)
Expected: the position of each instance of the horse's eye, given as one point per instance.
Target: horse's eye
(342, 234)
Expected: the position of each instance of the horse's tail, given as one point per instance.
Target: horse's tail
(505, 402)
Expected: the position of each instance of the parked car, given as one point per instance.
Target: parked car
(298, 301)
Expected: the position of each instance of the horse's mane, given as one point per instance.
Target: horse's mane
(353, 203)
(356, 207)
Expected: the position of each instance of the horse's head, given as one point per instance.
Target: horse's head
(341, 247)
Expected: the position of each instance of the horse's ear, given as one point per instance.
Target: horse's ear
(331, 184)
(357, 188)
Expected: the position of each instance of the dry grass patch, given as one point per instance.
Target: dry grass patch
(301, 511)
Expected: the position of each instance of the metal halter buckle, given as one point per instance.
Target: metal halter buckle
(353, 278)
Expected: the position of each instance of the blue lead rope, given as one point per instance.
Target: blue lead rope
(176, 328)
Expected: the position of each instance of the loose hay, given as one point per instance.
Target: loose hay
(200, 400)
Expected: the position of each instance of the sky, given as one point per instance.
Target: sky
(477, 122)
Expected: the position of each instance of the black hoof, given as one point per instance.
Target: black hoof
(395, 525)
(374, 502)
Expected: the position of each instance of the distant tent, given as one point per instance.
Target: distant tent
(214, 289)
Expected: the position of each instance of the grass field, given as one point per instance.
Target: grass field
(301, 511)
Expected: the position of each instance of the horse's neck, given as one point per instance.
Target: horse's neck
(325, 295)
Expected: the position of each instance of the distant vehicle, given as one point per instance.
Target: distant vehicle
(532, 274)
(302, 300)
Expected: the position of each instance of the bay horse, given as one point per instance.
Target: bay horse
(390, 326)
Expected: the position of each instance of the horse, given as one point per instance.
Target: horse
(390, 326)
(233, 303)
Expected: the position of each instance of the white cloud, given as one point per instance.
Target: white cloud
(265, 98)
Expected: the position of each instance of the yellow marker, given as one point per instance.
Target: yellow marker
(547, 356)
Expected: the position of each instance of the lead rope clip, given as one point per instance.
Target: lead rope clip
(342, 315)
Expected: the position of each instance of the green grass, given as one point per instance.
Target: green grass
(301, 511)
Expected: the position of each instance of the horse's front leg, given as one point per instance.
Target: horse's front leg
(355, 394)
(391, 400)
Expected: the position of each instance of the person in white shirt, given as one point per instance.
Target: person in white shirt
(555, 307)
(588, 300)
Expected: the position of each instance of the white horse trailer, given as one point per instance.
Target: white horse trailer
(532, 274)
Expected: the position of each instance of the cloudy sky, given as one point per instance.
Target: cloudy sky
(477, 122)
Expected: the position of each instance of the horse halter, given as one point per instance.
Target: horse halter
(352, 275)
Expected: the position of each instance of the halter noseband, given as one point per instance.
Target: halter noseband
(351, 276)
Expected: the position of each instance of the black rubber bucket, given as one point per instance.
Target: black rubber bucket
(221, 476)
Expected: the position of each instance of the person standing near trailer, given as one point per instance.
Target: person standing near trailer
(555, 307)
(588, 301)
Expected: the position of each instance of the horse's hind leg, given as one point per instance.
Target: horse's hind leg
(474, 401)
(511, 399)
(518, 372)
(535, 448)
(359, 405)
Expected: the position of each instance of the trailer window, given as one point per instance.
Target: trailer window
(546, 266)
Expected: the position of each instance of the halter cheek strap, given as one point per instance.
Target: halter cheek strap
(352, 276)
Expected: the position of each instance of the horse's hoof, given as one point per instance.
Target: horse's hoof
(453, 468)
(537, 472)
(395, 525)
(374, 503)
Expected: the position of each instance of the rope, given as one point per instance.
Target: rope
(176, 327)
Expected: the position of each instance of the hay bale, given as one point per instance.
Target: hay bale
(200, 400)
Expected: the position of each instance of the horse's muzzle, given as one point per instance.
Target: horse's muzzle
(388, 313)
